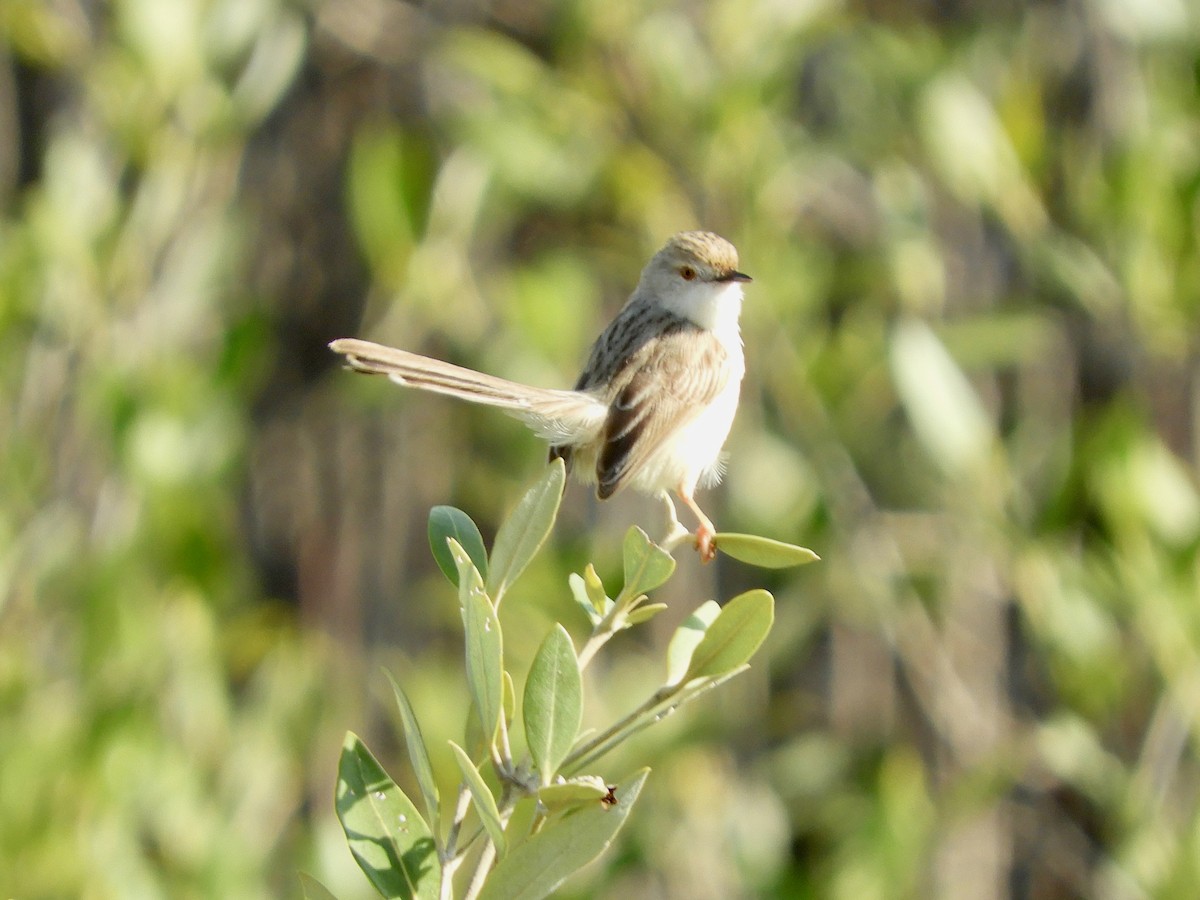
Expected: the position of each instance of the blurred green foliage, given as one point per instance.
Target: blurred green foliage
(972, 351)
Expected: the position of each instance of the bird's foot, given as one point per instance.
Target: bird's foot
(706, 532)
(706, 544)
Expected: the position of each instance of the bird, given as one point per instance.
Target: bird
(657, 397)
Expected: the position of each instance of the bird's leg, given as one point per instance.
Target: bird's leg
(676, 531)
(705, 530)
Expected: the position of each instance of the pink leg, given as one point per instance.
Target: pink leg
(705, 531)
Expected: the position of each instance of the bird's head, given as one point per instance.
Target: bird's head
(696, 275)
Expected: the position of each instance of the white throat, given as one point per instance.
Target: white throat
(714, 307)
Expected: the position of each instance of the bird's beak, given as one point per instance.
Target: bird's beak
(735, 276)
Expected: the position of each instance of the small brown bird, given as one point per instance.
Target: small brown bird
(656, 400)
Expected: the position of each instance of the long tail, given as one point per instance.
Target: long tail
(561, 417)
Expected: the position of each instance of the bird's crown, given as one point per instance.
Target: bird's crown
(702, 249)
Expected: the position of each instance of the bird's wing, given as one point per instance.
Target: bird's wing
(666, 383)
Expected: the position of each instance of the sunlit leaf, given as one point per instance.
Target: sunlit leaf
(525, 530)
(573, 792)
(733, 636)
(418, 754)
(687, 638)
(485, 803)
(485, 658)
(595, 590)
(766, 553)
(390, 841)
(645, 613)
(538, 866)
(448, 522)
(646, 564)
(553, 707)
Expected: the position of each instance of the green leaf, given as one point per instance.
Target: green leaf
(647, 565)
(448, 522)
(572, 792)
(485, 666)
(644, 613)
(687, 638)
(418, 754)
(510, 698)
(765, 553)
(734, 635)
(311, 889)
(474, 742)
(553, 707)
(485, 803)
(595, 590)
(525, 530)
(580, 595)
(564, 846)
(390, 841)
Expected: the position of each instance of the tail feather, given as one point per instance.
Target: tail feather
(558, 416)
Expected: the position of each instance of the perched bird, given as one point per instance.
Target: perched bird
(657, 397)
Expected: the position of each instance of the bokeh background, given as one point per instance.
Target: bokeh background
(973, 389)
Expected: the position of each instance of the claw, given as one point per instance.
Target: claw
(705, 545)
(705, 531)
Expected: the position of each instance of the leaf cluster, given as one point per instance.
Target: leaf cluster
(521, 823)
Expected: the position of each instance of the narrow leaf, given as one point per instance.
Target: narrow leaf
(765, 553)
(595, 590)
(448, 522)
(687, 638)
(390, 841)
(553, 707)
(510, 698)
(573, 792)
(734, 635)
(485, 803)
(485, 666)
(539, 865)
(524, 531)
(644, 613)
(418, 754)
(647, 565)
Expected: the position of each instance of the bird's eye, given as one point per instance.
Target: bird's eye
(687, 273)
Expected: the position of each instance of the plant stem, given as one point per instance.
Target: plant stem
(461, 806)
(588, 746)
(600, 636)
(450, 858)
(665, 699)
(508, 802)
(482, 867)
